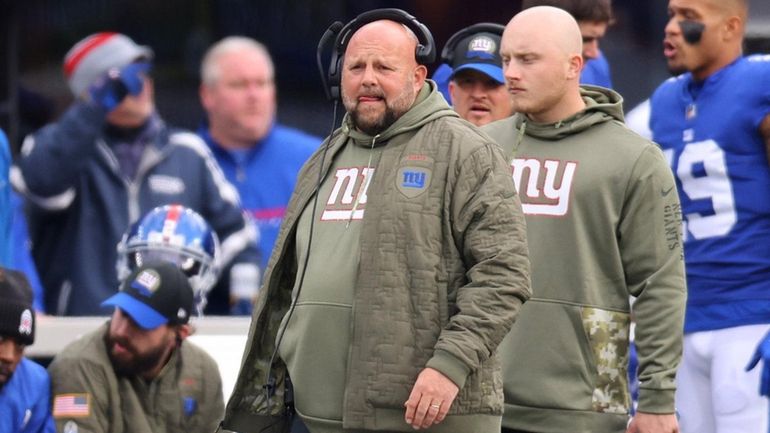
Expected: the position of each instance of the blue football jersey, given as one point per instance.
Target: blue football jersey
(709, 131)
(265, 175)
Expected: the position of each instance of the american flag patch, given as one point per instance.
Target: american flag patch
(71, 405)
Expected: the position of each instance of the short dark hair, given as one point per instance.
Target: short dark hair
(581, 10)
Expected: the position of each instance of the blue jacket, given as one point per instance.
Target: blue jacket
(265, 175)
(79, 204)
(25, 405)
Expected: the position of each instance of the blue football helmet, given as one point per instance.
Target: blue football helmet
(176, 234)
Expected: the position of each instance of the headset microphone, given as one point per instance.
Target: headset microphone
(692, 31)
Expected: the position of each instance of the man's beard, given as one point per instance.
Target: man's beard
(7, 371)
(381, 124)
(137, 364)
(393, 110)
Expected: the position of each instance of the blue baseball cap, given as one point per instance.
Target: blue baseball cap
(155, 294)
(479, 52)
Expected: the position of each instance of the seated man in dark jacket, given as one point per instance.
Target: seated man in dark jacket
(106, 162)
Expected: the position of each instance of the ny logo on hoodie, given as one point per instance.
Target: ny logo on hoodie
(347, 199)
(544, 186)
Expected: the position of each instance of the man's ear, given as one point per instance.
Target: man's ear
(420, 74)
(733, 28)
(451, 87)
(183, 331)
(575, 66)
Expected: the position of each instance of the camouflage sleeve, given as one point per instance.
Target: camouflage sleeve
(652, 254)
(79, 395)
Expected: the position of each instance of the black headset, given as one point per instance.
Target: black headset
(448, 53)
(424, 54)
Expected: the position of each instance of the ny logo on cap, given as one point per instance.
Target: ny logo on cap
(147, 282)
(481, 46)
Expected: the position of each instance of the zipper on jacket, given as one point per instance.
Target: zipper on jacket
(133, 201)
(131, 187)
(351, 327)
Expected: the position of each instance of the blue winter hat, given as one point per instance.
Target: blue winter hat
(155, 294)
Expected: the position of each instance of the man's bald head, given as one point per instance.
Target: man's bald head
(542, 59)
(391, 34)
(551, 25)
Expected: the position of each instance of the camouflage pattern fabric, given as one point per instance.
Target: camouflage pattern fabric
(607, 332)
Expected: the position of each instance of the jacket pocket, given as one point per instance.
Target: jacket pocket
(607, 333)
(315, 349)
(567, 357)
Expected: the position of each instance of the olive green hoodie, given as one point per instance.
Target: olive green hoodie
(90, 397)
(603, 223)
(443, 270)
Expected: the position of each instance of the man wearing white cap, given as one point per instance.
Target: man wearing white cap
(136, 373)
(107, 161)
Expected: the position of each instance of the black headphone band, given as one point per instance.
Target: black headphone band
(448, 53)
(425, 52)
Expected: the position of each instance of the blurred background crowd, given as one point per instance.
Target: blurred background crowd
(34, 35)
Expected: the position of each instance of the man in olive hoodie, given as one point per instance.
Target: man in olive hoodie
(416, 270)
(136, 374)
(603, 223)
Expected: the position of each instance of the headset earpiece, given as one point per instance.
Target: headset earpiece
(330, 34)
(425, 53)
(448, 53)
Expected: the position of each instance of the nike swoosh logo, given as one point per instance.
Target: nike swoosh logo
(665, 192)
